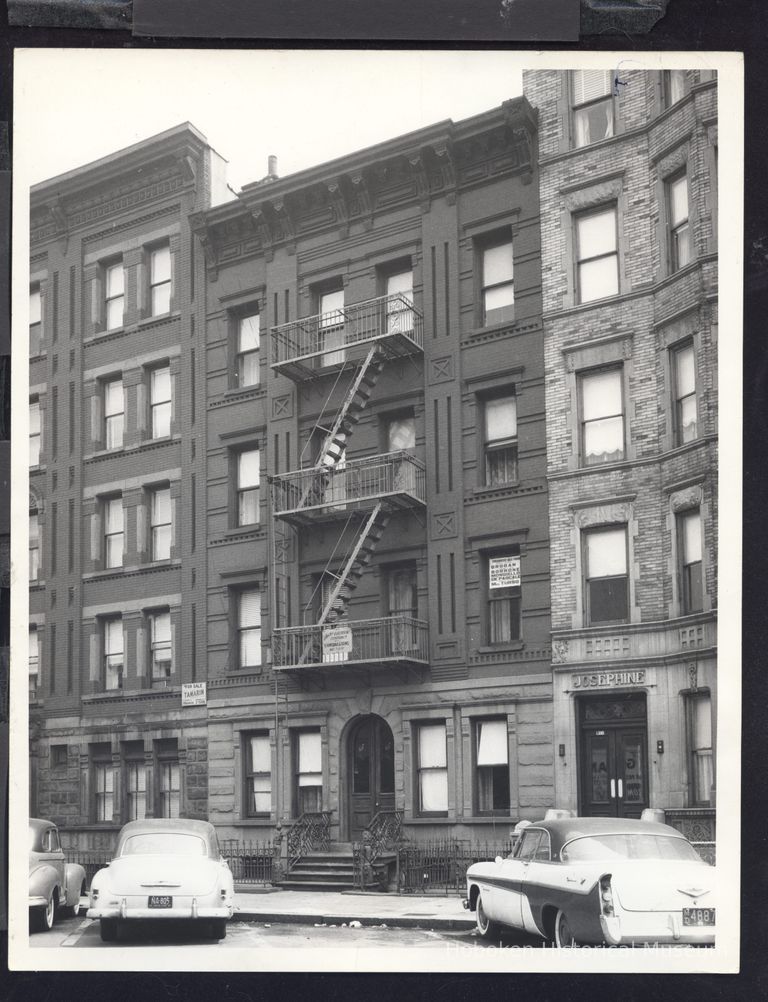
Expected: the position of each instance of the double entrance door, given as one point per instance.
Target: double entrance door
(614, 757)
(371, 752)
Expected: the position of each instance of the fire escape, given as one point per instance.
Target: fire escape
(357, 497)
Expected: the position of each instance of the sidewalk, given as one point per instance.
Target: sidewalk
(335, 907)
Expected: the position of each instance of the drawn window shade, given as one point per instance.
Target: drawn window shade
(432, 769)
(309, 777)
(592, 106)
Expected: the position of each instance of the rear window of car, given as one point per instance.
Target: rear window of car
(164, 843)
(627, 846)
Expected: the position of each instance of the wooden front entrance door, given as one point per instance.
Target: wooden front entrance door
(371, 756)
(614, 758)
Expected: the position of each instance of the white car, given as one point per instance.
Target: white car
(164, 869)
(597, 880)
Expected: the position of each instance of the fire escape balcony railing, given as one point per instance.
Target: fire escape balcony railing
(397, 479)
(352, 643)
(303, 348)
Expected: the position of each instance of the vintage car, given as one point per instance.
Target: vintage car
(164, 869)
(55, 886)
(597, 880)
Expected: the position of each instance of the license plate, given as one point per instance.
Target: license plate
(698, 916)
(160, 901)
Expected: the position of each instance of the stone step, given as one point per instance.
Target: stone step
(309, 884)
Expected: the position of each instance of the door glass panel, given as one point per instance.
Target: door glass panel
(632, 768)
(361, 761)
(599, 770)
(386, 760)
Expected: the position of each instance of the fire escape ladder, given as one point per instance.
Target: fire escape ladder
(358, 560)
(357, 397)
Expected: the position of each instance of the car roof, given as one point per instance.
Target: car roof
(183, 825)
(562, 830)
(40, 824)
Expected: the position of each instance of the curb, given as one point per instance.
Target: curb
(368, 921)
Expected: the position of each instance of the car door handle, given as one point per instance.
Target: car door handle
(621, 789)
(613, 789)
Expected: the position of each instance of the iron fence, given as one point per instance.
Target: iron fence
(251, 861)
(393, 638)
(441, 864)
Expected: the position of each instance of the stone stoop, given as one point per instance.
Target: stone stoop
(332, 869)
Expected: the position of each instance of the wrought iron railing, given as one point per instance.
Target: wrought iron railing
(440, 865)
(311, 830)
(329, 337)
(381, 840)
(393, 638)
(699, 825)
(252, 861)
(395, 475)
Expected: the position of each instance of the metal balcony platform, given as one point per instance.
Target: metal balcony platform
(329, 493)
(365, 643)
(314, 346)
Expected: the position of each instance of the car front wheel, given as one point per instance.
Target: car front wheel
(564, 936)
(108, 929)
(41, 919)
(487, 928)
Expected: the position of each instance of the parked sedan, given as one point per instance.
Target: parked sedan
(164, 869)
(54, 884)
(597, 880)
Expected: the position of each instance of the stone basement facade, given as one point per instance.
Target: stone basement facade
(299, 457)
(628, 175)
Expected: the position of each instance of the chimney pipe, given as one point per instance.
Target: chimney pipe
(271, 166)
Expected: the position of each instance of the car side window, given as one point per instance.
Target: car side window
(529, 845)
(543, 848)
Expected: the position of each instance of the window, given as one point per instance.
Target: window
(679, 230)
(34, 433)
(597, 254)
(401, 433)
(34, 546)
(602, 417)
(258, 778)
(58, 756)
(432, 768)
(114, 413)
(249, 628)
(592, 106)
(160, 646)
(504, 598)
(248, 487)
(169, 789)
(498, 291)
(689, 545)
(500, 414)
(160, 401)
(403, 608)
(103, 783)
(331, 327)
(247, 362)
(399, 299)
(534, 844)
(674, 87)
(309, 772)
(114, 295)
(684, 382)
(113, 653)
(160, 517)
(113, 532)
(135, 790)
(35, 319)
(701, 765)
(492, 760)
(34, 662)
(607, 584)
(160, 280)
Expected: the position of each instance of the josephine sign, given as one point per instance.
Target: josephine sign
(607, 679)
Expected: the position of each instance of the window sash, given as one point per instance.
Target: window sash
(34, 433)
(504, 615)
(169, 790)
(492, 743)
(104, 788)
(401, 434)
(606, 553)
(500, 419)
(590, 85)
(248, 469)
(432, 746)
(674, 86)
(433, 768)
(35, 305)
(248, 333)
(160, 402)
(160, 280)
(136, 791)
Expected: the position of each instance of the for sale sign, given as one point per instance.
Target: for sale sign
(504, 572)
(194, 694)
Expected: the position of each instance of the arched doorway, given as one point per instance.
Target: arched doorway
(370, 772)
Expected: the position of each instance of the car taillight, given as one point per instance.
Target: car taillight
(606, 895)
(94, 893)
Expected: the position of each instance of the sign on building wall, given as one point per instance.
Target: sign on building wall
(194, 694)
(608, 679)
(337, 642)
(504, 572)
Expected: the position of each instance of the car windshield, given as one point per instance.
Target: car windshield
(628, 846)
(164, 843)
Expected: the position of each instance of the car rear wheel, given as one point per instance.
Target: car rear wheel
(564, 936)
(108, 929)
(217, 928)
(487, 928)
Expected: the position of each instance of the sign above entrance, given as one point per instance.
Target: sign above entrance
(194, 694)
(608, 679)
(504, 572)
(337, 642)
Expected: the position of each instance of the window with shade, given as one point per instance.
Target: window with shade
(689, 546)
(498, 286)
(34, 662)
(169, 788)
(113, 653)
(602, 416)
(258, 775)
(399, 292)
(113, 532)
(114, 413)
(308, 772)
(248, 487)
(500, 442)
(114, 295)
(591, 106)
(247, 362)
(35, 319)
(597, 254)
(402, 608)
(161, 523)
(674, 86)
(161, 647)
(331, 327)
(160, 280)
(249, 628)
(606, 589)
(400, 433)
(104, 790)
(679, 228)
(504, 598)
(35, 433)
(432, 769)
(160, 401)
(34, 546)
(492, 764)
(685, 417)
(135, 790)
(701, 762)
